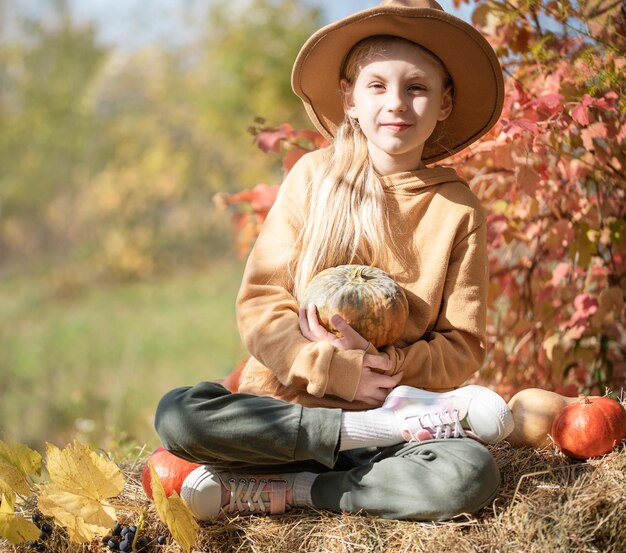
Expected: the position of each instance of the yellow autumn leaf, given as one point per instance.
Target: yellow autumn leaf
(83, 518)
(81, 482)
(83, 471)
(17, 461)
(10, 480)
(13, 527)
(21, 456)
(175, 513)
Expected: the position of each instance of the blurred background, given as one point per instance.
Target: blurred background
(119, 121)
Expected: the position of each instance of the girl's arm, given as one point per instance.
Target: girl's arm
(267, 313)
(454, 349)
(375, 382)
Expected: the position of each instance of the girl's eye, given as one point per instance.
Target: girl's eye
(417, 88)
(377, 86)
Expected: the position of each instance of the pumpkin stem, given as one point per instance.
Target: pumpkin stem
(357, 274)
(583, 400)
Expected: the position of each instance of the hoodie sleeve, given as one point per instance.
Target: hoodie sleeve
(454, 348)
(267, 312)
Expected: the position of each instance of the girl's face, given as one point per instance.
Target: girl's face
(398, 97)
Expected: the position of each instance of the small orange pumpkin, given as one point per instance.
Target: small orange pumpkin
(589, 427)
(367, 298)
(172, 471)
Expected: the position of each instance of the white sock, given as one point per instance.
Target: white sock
(302, 489)
(373, 428)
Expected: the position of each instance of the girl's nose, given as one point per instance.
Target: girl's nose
(396, 101)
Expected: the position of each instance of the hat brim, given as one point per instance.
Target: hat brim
(468, 57)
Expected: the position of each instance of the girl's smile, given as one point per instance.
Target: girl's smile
(398, 98)
(396, 127)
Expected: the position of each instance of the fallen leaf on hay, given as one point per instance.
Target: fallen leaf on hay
(15, 528)
(81, 482)
(173, 512)
(17, 461)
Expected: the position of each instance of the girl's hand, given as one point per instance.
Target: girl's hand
(315, 332)
(374, 387)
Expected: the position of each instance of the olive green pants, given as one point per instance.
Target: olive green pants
(431, 480)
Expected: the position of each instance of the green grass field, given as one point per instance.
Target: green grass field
(92, 364)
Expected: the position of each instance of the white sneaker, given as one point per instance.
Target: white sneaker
(471, 411)
(211, 494)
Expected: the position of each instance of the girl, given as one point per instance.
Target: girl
(331, 422)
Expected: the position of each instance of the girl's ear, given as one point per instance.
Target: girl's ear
(446, 104)
(348, 102)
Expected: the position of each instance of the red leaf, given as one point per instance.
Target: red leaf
(245, 196)
(502, 156)
(560, 273)
(551, 103)
(314, 137)
(602, 102)
(518, 127)
(269, 140)
(291, 158)
(264, 197)
(585, 305)
(593, 131)
(580, 112)
(260, 197)
(527, 179)
(519, 95)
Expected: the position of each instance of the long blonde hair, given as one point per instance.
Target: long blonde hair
(347, 220)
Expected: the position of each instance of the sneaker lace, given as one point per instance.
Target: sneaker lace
(439, 424)
(246, 494)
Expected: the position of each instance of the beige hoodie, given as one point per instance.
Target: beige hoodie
(440, 224)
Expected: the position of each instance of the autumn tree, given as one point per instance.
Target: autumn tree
(110, 154)
(46, 138)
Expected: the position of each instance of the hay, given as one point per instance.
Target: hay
(548, 503)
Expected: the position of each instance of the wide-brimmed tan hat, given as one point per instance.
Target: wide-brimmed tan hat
(468, 57)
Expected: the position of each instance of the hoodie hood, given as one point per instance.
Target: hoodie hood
(411, 182)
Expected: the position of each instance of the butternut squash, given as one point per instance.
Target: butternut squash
(534, 411)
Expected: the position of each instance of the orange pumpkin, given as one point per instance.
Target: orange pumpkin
(172, 471)
(367, 298)
(589, 427)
